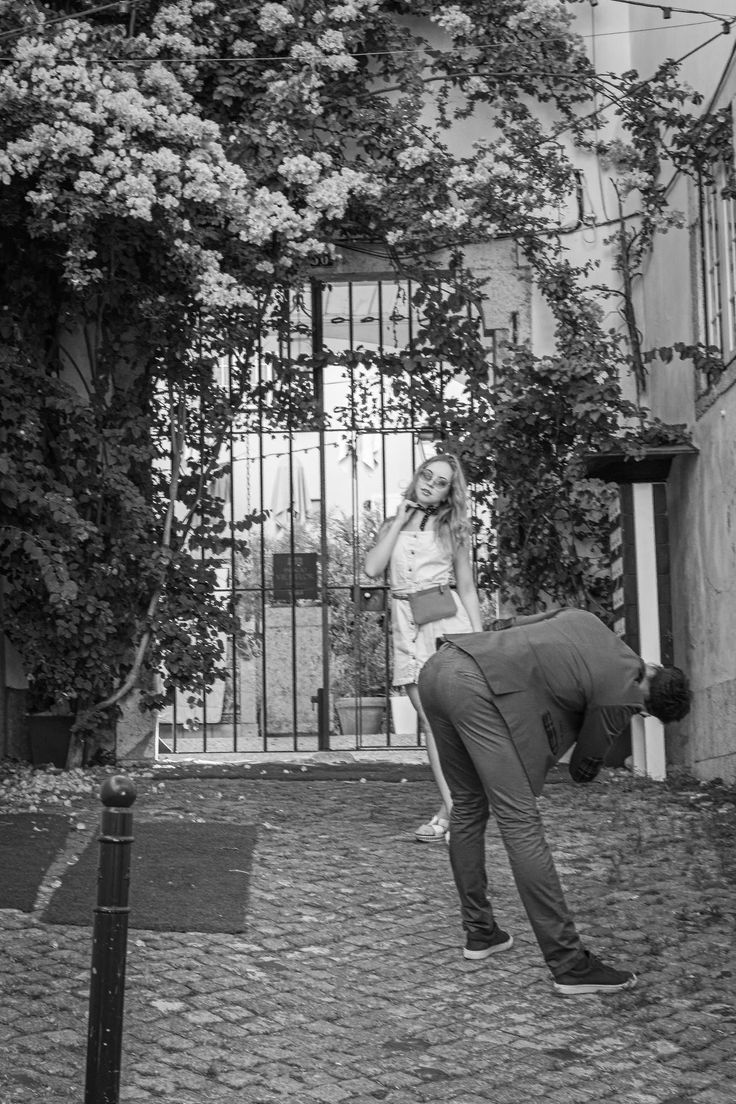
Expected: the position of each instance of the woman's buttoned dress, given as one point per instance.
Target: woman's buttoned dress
(419, 561)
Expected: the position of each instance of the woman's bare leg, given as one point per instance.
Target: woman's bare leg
(434, 759)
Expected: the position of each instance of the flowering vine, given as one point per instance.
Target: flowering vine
(168, 171)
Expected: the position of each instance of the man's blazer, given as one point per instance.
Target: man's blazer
(556, 682)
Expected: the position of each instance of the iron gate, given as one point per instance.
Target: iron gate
(311, 666)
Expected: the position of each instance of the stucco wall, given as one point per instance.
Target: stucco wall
(701, 498)
(702, 510)
(703, 541)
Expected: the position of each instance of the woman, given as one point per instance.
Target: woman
(427, 544)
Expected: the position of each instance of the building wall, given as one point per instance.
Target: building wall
(702, 490)
(703, 532)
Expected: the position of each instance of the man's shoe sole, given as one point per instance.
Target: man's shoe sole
(584, 989)
(478, 956)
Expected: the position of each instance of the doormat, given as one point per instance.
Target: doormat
(184, 877)
(29, 842)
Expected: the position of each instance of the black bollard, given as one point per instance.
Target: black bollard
(109, 943)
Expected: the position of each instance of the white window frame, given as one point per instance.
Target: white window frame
(719, 266)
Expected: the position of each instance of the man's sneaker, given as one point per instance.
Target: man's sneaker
(478, 949)
(593, 976)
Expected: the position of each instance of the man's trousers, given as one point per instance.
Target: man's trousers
(483, 771)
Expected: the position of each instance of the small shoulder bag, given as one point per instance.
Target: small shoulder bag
(433, 604)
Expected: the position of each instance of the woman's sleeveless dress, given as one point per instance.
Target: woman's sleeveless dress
(419, 561)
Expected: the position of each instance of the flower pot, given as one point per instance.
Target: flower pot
(358, 716)
(50, 735)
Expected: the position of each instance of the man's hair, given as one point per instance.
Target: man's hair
(669, 695)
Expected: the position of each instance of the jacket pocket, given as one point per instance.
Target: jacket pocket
(553, 736)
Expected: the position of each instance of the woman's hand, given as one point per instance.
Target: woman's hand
(406, 508)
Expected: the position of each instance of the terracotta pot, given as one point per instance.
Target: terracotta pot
(357, 716)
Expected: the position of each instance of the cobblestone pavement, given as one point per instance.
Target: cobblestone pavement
(349, 984)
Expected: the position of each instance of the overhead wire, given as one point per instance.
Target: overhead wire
(65, 18)
(646, 30)
(125, 5)
(594, 63)
(285, 59)
(706, 114)
(668, 9)
(644, 81)
(612, 101)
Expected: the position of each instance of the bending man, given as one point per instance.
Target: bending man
(504, 707)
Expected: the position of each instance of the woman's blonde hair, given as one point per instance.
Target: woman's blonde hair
(453, 521)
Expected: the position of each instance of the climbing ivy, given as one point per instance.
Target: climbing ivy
(169, 172)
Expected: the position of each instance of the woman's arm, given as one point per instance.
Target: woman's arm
(466, 587)
(378, 557)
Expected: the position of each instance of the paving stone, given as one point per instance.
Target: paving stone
(349, 984)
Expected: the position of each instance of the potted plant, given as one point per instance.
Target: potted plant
(358, 637)
(358, 682)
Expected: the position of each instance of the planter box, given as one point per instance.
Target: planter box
(49, 735)
(358, 716)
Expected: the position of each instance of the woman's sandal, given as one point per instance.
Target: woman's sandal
(433, 832)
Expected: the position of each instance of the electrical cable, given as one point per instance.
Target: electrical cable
(646, 80)
(583, 77)
(125, 5)
(706, 114)
(65, 18)
(601, 188)
(647, 30)
(728, 21)
(668, 9)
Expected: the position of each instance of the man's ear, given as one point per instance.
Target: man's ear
(650, 670)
